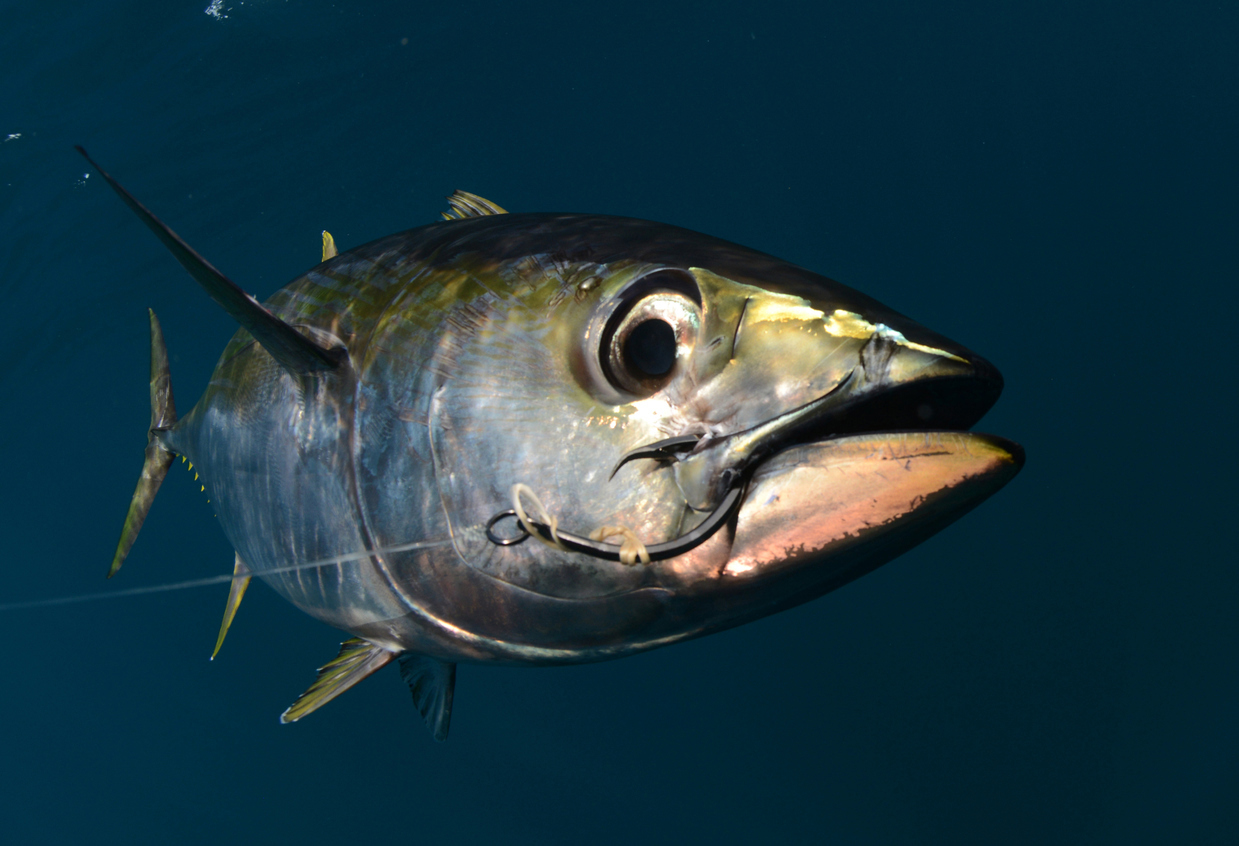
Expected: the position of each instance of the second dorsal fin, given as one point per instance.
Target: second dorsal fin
(294, 351)
(463, 204)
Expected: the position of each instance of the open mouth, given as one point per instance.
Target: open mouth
(707, 469)
(951, 403)
(954, 402)
(868, 477)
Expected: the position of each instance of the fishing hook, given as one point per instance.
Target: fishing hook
(667, 450)
(722, 512)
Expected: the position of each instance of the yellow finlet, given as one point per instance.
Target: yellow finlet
(329, 246)
(240, 581)
(463, 204)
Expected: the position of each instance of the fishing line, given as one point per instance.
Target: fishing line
(219, 580)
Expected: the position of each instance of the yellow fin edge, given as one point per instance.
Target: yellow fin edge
(357, 659)
(240, 581)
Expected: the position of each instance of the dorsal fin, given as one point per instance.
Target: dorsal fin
(433, 684)
(357, 660)
(463, 204)
(294, 351)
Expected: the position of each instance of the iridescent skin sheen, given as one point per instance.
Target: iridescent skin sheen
(478, 358)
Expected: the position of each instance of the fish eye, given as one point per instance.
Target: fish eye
(649, 349)
(645, 343)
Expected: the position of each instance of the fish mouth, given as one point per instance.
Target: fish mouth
(953, 401)
(836, 488)
(948, 403)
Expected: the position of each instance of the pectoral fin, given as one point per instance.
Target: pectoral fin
(357, 660)
(433, 683)
(240, 581)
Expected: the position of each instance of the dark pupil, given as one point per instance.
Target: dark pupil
(649, 348)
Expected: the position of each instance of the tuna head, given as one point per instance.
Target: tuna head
(819, 432)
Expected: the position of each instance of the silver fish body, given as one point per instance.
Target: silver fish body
(474, 364)
(754, 433)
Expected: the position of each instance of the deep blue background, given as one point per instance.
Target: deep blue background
(1052, 184)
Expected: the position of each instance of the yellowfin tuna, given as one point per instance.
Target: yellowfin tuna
(558, 438)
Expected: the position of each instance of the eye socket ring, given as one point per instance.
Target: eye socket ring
(646, 343)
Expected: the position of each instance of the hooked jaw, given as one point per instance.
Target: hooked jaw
(827, 499)
(841, 480)
(844, 484)
(895, 386)
(828, 471)
(846, 436)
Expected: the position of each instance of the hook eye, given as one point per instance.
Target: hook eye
(499, 540)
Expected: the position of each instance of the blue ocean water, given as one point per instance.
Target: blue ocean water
(1051, 184)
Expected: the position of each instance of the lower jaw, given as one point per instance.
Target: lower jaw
(826, 509)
